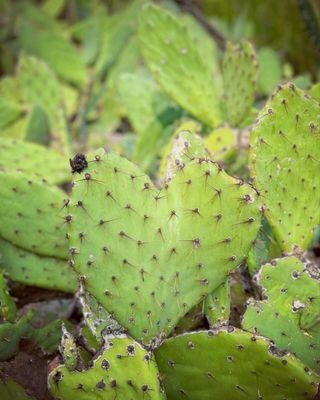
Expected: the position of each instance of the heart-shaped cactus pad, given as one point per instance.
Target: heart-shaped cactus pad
(147, 254)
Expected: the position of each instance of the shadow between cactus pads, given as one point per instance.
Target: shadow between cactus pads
(149, 255)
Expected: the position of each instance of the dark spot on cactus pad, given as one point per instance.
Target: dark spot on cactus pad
(100, 385)
(78, 163)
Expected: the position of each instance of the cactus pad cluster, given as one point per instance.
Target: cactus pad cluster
(159, 207)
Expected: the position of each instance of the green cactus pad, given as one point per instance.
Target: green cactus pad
(10, 335)
(31, 269)
(96, 318)
(69, 350)
(270, 74)
(232, 365)
(184, 146)
(239, 80)
(217, 306)
(123, 370)
(171, 54)
(31, 158)
(8, 309)
(314, 91)
(290, 312)
(56, 51)
(29, 214)
(221, 143)
(38, 127)
(9, 112)
(284, 159)
(265, 248)
(140, 249)
(46, 337)
(150, 111)
(206, 45)
(50, 99)
(11, 390)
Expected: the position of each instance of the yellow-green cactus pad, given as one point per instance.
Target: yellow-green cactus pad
(285, 160)
(31, 158)
(150, 255)
(150, 111)
(123, 370)
(29, 214)
(221, 143)
(217, 305)
(231, 364)
(184, 146)
(289, 313)
(171, 54)
(239, 80)
(8, 309)
(49, 100)
(31, 269)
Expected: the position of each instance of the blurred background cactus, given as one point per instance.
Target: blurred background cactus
(159, 199)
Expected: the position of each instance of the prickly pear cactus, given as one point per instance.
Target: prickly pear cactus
(221, 143)
(264, 249)
(29, 214)
(140, 249)
(289, 313)
(96, 318)
(55, 50)
(10, 390)
(10, 335)
(50, 100)
(171, 54)
(314, 91)
(150, 111)
(31, 158)
(239, 70)
(236, 365)
(10, 111)
(69, 350)
(217, 306)
(184, 146)
(123, 370)
(8, 309)
(32, 269)
(284, 160)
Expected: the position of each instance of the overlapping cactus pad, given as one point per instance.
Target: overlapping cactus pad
(123, 370)
(285, 160)
(240, 69)
(290, 313)
(231, 365)
(32, 269)
(217, 305)
(29, 214)
(184, 146)
(148, 255)
(172, 56)
(31, 158)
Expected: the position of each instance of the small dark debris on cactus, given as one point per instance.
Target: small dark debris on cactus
(78, 163)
